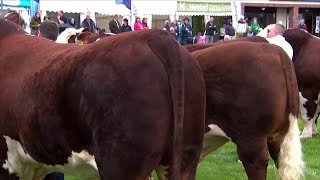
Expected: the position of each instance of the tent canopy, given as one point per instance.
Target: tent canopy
(16, 3)
(106, 7)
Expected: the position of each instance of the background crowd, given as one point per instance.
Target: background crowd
(181, 30)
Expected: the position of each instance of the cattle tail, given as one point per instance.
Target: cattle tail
(173, 63)
(290, 161)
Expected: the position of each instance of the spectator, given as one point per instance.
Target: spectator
(241, 27)
(222, 32)
(167, 26)
(114, 25)
(145, 23)
(246, 21)
(46, 18)
(61, 18)
(72, 23)
(62, 21)
(89, 23)
(249, 32)
(49, 29)
(255, 26)
(125, 27)
(176, 32)
(138, 25)
(35, 23)
(230, 31)
(211, 29)
(302, 25)
(186, 30)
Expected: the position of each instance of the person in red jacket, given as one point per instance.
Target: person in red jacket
(145, 23)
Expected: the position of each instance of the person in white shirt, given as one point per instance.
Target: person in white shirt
(241, 27)
(274, 36)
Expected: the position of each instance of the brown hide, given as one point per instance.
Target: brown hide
(251, 89)
(13, 17)
(195, 47)
(306, 61)
(127, 108)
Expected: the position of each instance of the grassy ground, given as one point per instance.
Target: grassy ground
(223, 163)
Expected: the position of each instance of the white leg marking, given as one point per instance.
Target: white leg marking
(24, 166)
(303, 110)
(309, 123)
(314, 129)
(307, 130)
(314, 126)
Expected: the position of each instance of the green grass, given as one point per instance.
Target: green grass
(223, 163)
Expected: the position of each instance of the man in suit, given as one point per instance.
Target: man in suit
(114, 25)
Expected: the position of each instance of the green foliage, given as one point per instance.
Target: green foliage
(223, 164)
(198, 25)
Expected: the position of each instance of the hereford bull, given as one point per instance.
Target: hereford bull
(253, 100)
(108, 110)
(306, 59)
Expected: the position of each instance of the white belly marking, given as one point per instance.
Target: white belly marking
(24, 166)
(216, 131)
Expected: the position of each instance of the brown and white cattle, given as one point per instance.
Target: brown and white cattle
(109, 110)
(306, 59)
(252, 100)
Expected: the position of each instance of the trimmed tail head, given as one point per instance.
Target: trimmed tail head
(171, 58)
(290, 161)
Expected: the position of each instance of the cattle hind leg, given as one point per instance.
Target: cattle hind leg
(253, 152)
(314, 126)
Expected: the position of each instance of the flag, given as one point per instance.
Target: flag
(34, 7)
(127, 3)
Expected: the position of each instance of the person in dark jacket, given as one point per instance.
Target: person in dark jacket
(89, 23)
(125, 27)
(114, 25)
(230, 31)
(62, 21)
(211, 29)
(46, 18)
(72, 23)
(35, 23)
(186, 30)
